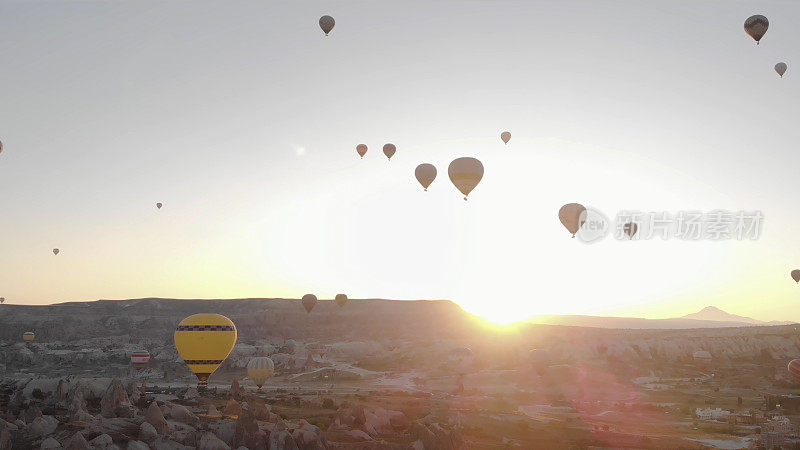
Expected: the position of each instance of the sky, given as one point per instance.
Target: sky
(242, 118)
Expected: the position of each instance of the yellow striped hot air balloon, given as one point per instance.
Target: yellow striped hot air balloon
(28, 336)
(259, 369)
(204, 341)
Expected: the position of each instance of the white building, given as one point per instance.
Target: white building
(712, 414)
(779, 424)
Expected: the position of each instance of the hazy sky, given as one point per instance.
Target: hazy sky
(242, 118)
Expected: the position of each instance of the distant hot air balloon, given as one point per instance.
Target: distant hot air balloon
(796, 275)
(1, 146)
(309, 300)
(505, 136)
(465, 173)
(326, 23)
(28, 336)
(56, 251)
(781, 68)
(425, 174)
(2, 300)
(794, 369)
(204, 341)
(341, 299)
(540, 360)
(461, 359)
(389, 150)
(159, 205)
(140, 359)
(572, 216)
(702, 356)
(756, 26)
(630, 229)
(259, 369)
(361, 149)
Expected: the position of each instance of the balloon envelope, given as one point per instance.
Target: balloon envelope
(570, 216)
(28, 336)
(309, 300)
(341, 299)
(756, 26)
(505, 136)
(465, 173)
(389, 150)
(781, 68)
(796, 275)
(425, 174)
(2, 299)
(361, 149)
(326, 23)
(204, 341)
(794, 369)
(56, 251)
(461, 359)
(140, 359)
(259, 369)
(159, 205)
(1, 146)
(630, 229)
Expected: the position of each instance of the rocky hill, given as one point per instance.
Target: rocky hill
(95, 327)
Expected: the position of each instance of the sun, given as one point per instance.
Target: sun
(497, 314)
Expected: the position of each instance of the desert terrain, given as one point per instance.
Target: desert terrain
(381, 374)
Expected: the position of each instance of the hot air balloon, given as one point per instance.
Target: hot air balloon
(465, 173)
(540, 360)
(794, 369)
(341, 299)
(361, 149)
(159, 205)
(389, 150)
(630, 229)
(259, 369)
(28, 336)
(326, 23)
(756, 26)
(572, 216)
(461, 359)
(505, 136)
(2, 300)
(56, 251)
(425, 174)
(140, 359)
(1, 146)
(702, 358)
(781, 68)
(796, 275)
(204, 341)
(309, 300)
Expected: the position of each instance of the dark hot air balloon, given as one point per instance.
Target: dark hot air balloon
(326, 23)
(309, 300)
(756, 26)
